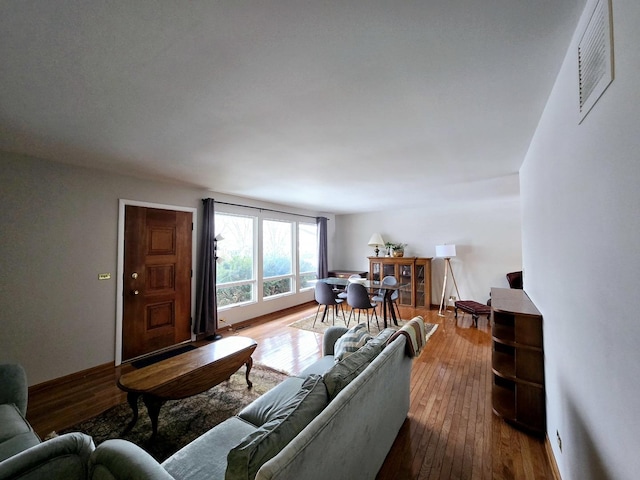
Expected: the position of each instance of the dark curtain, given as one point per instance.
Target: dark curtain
(207, 303)
(323, 262)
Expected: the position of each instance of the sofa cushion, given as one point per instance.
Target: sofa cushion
(351, 341)
(206, 456)
(263, 408)
(319, 367)
(343, 372)
(16, 434)
(244, 460)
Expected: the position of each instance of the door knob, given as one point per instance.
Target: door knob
(134, 275)
(134, 292)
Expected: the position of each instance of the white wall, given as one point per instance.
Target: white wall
(580, 195)
(486, 234)
(59, 231)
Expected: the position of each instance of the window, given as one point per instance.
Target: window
(236, 278)
(277, 258)
(307, 254)
(262, 258)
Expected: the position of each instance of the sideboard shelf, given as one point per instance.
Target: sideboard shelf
(517, 360)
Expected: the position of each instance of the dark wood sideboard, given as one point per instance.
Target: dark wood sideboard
(346, 273)
(518, 391)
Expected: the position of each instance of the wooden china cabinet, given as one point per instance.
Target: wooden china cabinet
(414, 271)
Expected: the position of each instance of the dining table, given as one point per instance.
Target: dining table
(372, 285)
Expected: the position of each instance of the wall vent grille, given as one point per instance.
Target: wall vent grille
(595, 57)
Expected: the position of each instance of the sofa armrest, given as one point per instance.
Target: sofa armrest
(65, 457)
(122, 460)
(331, 334)
(13, 386)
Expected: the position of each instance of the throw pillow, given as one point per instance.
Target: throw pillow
(351, 341)
(343, 372)
(244, 460)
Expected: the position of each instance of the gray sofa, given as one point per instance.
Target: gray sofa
(22, 454)
(334, 420)
(348, 439)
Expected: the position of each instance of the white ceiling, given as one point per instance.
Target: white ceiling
(335, 106)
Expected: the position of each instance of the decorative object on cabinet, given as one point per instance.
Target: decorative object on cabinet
(376, 241)
(446, 251)
(415, 272)
(397, 249)
(518, 392)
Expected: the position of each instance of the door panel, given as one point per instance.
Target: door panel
(157, 280)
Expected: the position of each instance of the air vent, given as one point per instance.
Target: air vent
(595, 57)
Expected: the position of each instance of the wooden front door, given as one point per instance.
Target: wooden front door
(157, 280)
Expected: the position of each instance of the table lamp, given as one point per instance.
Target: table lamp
(376, 241)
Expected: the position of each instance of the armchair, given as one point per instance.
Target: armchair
(22, 454)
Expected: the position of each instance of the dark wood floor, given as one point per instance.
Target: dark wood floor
(450, 432)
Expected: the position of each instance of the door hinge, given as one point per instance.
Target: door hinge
(192, 226)
(191, 273)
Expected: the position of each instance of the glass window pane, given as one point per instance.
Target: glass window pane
(277, 257)
(235, 279)
(276, 251)
(235, 251)
(234, 294)
(277, 287)
(307, 253)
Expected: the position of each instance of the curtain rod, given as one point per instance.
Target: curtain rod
(264, 209)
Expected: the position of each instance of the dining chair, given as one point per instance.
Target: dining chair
(391, 281)
(343, 294)
(326, 296)
(358, 299)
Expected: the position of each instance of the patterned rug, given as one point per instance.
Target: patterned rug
(307, 323)
(181, 421)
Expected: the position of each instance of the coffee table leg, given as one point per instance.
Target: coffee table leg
(132, 399)
(249, 364)
(153, 404)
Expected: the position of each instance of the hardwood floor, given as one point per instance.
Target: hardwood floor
(450, 432)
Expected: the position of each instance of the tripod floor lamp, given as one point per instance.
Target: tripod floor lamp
(446, 251)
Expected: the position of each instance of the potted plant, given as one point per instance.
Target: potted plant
(398, 249)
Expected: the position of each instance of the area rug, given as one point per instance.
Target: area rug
(181, 421)
(307, 323)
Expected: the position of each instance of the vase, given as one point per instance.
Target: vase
(398, 253)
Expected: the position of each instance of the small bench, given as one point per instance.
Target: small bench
(474, 308)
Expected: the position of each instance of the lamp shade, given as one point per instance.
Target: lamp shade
(445, 251)
(376, 240)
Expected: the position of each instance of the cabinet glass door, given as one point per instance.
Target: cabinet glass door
(376, 270)
(405, 277)
(388, 270)
(420, 290)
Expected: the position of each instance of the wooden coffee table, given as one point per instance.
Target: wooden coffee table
(185, 375)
